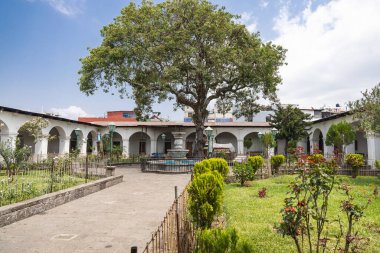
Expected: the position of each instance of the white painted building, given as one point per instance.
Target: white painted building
(147, 137)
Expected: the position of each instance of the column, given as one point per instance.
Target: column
(94, 147)
(126, 147)
(83, 146)
(41, 148)
(240, 147)
(153, 146)
(64, 145)
(373, 145)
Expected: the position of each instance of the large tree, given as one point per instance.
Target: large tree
(367, 110)
(340, 135)
(187, 50)
(292, 124)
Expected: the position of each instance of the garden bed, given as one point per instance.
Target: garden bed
(254, 217)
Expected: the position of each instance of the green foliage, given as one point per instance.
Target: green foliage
(221, 241)
(291, 123)
(15, 158)
(247, 143)
(355, 161)
(191, 51)
(276, 161)
(316, 160)
(211, 164)
(377, 164)
(243, 172)
(34, 128)
(340, 134)
(305, 210)
(256, 162)
(220, 165)
(367, 110)
(205, 198)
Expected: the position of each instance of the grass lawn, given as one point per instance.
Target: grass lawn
(254, 218)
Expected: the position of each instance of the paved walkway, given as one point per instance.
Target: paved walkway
(111, 220)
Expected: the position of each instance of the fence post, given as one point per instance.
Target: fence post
(134, 249)
(51, 176)
(177, 217)
(86, 168)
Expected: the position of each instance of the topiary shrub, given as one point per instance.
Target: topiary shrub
(220, 165)
(355, 161)
(276, 161)
(220, 241)
(255, 162)
(205, 198)
(201, 167)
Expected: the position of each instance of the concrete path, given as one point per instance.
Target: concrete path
(111, 220)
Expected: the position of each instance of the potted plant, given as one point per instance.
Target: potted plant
(355, 161)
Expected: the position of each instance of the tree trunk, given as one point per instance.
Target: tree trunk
(199, 119)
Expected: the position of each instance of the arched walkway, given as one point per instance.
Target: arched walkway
(4, 131)
(56, 136)
(361, 145)
(226, 138)
(139, 144)
(256, 147)
(91, 142)
(76, 141)
(318, 141)
(26, 139)
(163, 144)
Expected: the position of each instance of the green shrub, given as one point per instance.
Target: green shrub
(220, 165)
(243, 172)
(355, 161)
(205, 198)
(221, 241)
(276, 161)
(377, 164)
(201, 167)
(255, 162)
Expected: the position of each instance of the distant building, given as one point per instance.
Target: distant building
(213, 116)
(114, 116)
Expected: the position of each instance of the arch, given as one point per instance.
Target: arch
(26, 139)
(75, 141)
(257, 146)
(318, 140)
(164, 144)
(56, 134)
(361, 145)
(4, 131)
(139, 144)
(117, 141)
(225, 138)
(91, 142)
(190, 142)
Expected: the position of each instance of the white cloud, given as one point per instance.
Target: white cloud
(333, 52)
(71, 112)
(249, 20)
(65, 7)
(264, 3)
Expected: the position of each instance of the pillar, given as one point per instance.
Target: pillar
(240, 147)
(83, 146)
(126, 147)
(153, 146)
(64, 145)
(373, 145)
(41, 148)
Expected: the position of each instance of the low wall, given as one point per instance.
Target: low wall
(18, 211)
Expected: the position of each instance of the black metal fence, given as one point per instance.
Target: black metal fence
(38, 178)
(176, 232)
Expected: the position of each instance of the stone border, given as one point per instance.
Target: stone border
(18, 211)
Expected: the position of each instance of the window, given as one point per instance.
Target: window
(129, 115)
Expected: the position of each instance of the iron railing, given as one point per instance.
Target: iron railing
(176, 232)
(38, 178)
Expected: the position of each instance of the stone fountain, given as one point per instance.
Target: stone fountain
(178, 152)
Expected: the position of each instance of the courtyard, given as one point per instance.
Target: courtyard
(111, 220)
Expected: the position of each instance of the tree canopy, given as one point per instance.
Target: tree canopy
(367, 110)
(340, 134)
(191, 51)
(292, 124)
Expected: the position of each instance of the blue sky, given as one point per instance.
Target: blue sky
(333, 50)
